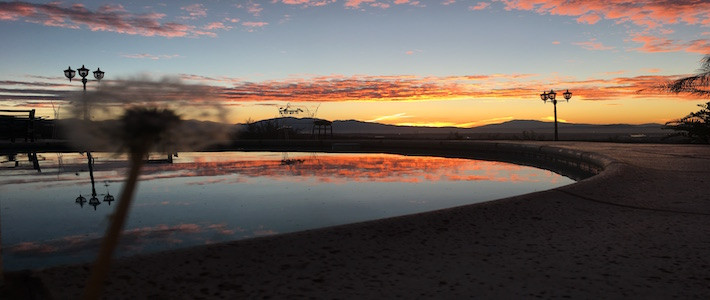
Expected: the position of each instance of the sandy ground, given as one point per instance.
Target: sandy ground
(640, 229)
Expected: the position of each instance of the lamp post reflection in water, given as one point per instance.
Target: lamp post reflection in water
(108, 198)
(94, 200)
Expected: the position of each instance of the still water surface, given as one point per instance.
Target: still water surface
(204, 198)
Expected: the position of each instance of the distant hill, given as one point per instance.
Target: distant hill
(520, 125)
(528, 129)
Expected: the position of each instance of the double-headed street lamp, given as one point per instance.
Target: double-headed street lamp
(551, 96)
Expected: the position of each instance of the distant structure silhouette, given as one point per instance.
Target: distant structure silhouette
(321, 126)
(18, 123)
(294, 110)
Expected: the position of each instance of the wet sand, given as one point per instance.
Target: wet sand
(639, 229)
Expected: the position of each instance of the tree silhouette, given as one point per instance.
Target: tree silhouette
(696, 125)
(698, 84)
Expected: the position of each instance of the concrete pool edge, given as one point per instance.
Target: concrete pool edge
(402, 247)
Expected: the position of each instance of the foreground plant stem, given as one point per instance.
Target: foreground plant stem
(100, 269)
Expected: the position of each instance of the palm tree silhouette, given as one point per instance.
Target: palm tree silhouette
(698, 84)
(695, 125)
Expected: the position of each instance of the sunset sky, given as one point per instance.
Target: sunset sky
(439, 62)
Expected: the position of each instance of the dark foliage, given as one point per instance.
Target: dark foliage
(698, 84)
(695, 126)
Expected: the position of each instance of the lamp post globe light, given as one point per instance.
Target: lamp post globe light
(552, 97)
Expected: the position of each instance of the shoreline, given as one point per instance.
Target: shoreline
(637, 229)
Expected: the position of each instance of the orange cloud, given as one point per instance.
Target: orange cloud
(112, 18)
(339, 88)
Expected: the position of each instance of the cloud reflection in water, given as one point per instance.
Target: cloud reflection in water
(215, 197)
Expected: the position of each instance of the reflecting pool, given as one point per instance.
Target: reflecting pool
(203, 198)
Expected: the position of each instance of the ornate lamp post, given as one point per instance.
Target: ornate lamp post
(551, 96)
(83, 72)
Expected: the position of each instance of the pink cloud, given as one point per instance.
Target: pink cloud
(479, 6)
(659, 44)
(645, 13)
(448, 2)
(112, 18)
(306, 3)
(195, 11)
(593, 45)
(254, 9)
(589, 19)
(555, 42)
(698, 46)
(356, 3)
(380, 5)
(656, 44)
(217, 25)
(253, 26)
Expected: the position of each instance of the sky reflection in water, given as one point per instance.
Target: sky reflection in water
(206, 198)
